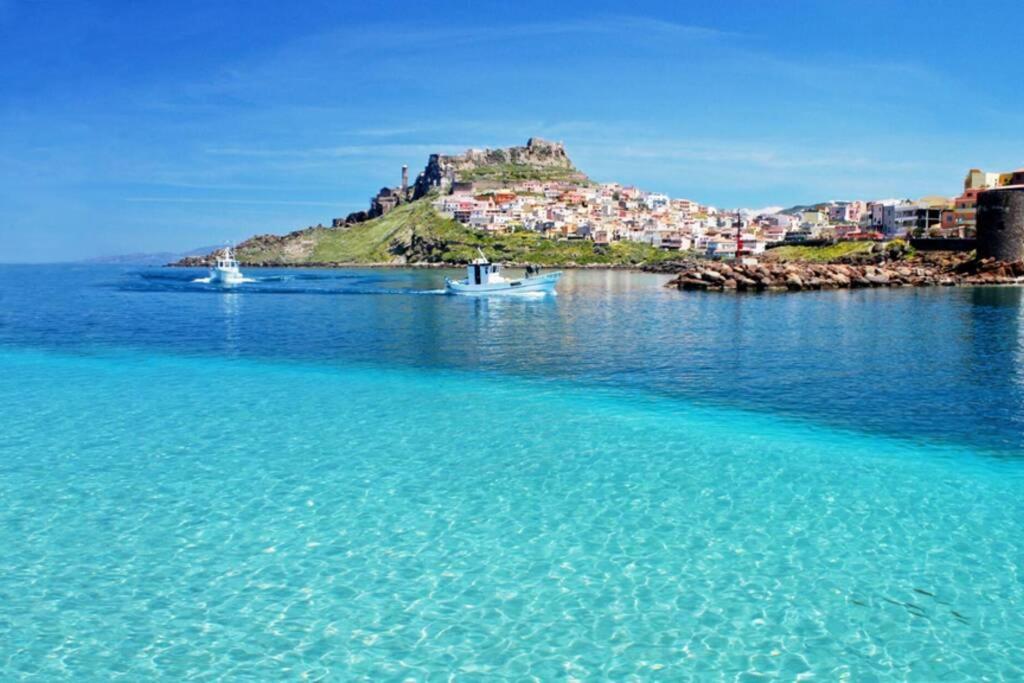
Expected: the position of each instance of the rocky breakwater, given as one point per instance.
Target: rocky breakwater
(932, 270)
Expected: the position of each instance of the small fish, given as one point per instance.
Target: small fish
(893, 601)
(913, 606)
(858, 602)
(958, 615)
(924, 592)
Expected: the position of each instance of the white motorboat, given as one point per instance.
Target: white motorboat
(225, 269)
(485, 278)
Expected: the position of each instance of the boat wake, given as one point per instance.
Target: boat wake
(342, 284)
(208, 280)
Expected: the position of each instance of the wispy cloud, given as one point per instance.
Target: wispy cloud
(599, 24)
(228, 200)
(195, 185)
(389, 41)
(329, 152)
(760, 155)
(610, 23)
(392, 131)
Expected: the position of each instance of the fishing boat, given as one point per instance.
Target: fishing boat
(225, 269)
(485, 278)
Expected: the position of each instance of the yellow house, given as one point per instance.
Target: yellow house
(979, 180)
(938, 202)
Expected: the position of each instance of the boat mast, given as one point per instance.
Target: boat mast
(738, 224)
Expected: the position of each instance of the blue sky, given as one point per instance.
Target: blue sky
(129, 127)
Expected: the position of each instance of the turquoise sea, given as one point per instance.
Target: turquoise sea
(344, 475)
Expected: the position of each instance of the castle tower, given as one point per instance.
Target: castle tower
(1001, 223)
(405, 179)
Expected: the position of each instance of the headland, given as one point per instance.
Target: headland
(531, 205)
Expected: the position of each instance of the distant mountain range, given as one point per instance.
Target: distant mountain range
(158, 258)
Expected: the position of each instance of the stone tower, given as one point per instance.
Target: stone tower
(405, 179)
(1001, 223)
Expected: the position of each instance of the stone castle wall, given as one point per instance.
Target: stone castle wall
(1001, 223)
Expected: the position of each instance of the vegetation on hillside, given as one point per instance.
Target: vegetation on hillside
(829, 253)
(416, 233)
(820, 254)
(530, 247)
(509, 173)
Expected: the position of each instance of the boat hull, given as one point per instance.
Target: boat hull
(541, 284)
(226, 277)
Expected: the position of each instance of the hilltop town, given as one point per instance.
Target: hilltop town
(609, 212)
(568, 206)
(536, 194)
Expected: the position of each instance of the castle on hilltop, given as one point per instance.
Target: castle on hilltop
(446, 173)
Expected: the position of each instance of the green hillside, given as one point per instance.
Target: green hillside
(509, 173)
(838, 251)
(416, 233)
(820, 254)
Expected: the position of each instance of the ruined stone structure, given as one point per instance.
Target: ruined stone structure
(386, 199)
(433, 175)
(1001, 223)
(443, 170)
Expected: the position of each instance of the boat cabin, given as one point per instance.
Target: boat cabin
(226, 260)
(482, 272)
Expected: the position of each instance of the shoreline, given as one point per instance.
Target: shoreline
(931, 270)
(425, 266)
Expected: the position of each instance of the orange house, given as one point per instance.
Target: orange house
(964, 209)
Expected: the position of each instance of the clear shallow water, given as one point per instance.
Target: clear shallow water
(345, 475)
